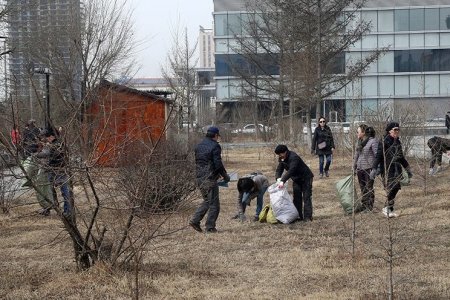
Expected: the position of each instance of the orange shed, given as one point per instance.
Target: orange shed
(124, 122)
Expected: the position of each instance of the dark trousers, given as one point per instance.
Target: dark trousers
(322, 158)
(392, 187)
(210, 193)
(366, 186)
(303, 198)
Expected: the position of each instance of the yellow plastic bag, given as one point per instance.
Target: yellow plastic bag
(263, 214)
(271, 217)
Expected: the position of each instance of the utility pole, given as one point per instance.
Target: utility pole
(47, 73)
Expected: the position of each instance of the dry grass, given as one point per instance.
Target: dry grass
(250, 260)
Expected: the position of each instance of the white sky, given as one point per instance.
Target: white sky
(155, 20)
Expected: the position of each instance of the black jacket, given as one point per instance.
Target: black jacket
(54, 152)
(439, 144)
(31, 139)
(322, 135)
(390, 157)
(208, 160)
(296, 168)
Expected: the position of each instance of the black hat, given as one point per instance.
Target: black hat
(281, 149)
(391, 125)
(213, 130)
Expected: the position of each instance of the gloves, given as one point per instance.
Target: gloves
(278, 180)
(280, 184)
(373, 174)
(226, 178)
(408, 170)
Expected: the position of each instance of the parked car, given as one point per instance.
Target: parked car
(251, 128)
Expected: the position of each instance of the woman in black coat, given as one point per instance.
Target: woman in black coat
(390, 160)
(323, 146)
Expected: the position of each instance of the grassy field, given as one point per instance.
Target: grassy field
(253, 260)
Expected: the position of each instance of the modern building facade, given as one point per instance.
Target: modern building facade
(416, 66)
(39, 34)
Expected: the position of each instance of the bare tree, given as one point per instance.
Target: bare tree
(181, 74)
(294, 52)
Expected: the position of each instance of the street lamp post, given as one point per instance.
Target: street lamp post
(47, 73)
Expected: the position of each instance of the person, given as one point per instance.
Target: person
(323, 145)
(365, 153)
(447, 121)
(302, 179)
(438, 146)
(53, 151)
(250, 187)
(209, 168)
(31, 138)
(389, 160)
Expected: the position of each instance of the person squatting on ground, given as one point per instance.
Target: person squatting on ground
(323, 146)
(438, 146)
(209, 168)
(53, 151)
(250, 187)
(365, 152)
(302, 179)
(389, 160)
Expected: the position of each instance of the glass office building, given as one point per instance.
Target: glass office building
(416, 66)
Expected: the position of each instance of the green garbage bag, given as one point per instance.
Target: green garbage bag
(404, 180)
(44, 192)
(346, 191)
(31, 168)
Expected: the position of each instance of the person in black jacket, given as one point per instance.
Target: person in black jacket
(56, 167)
(323, 145)
(447, 121)
(209, 168)
(31, 138)
(389, 160)
(302, 179)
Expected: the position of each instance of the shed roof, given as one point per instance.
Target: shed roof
(125, 89)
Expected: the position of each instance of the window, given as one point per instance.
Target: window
(417, 85)
(416, 19)
(369, 86)
(444, 61)
(431, 39)
(220, 22)
(369, 42)
(445, 39)
(417, 40)
(430, 60)
(401, 85)
(444, 81)
(401, 61)
(415, 60)
(401, 41)
(432, 19)
(431, 84)
(401, 19)
(385, 40)
(385, 20)
(386, 62)
(234, 24)
(386, 84)
(371, 17)
(445, 18)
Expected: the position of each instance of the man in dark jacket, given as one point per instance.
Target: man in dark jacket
(301, 176)
(323, 146)
(209, 168)
(31, 138)
(390, 160)
(56, 163)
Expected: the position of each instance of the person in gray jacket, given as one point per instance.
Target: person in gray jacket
(250, 187)
(365, 153)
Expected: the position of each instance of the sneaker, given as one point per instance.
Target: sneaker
(326, 174)
(211, 230)
(438, 169)
(196, 226)
(321, 175)
(431, 172)
(389, 212)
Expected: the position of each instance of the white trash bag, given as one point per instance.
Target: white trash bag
(282, 205)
